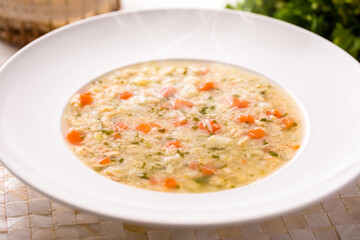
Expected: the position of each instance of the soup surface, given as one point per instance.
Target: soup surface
(183, 126)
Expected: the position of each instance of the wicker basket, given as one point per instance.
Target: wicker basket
(22, 21)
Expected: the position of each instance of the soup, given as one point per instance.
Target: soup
(183, 126)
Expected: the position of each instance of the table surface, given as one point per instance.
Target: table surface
(27, 214)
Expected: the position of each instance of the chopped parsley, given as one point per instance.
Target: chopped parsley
(215, 156)
(143, 175)
(196, 119)
(212, 107)
(194, 127)
(143, 165)
(78, 115)
(203, 110)
(236, 95)
(217, 148)
(121, 160)
(294, 124)
(107, 132)
(265, 142)
(201, 180)
(105, 143)
(225, 165)
(274, 154)
(265, 120)
(180, 153)
(82, 138)
(162, 130)
(284, 115)
(135, 142)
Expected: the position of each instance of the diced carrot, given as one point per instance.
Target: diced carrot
(209, 126)
(173, 144)
(207, 170)
(206, 86)
(269, 159)
(104, 161)
(85, 99)
(180, 122)
(296, 147)
(245, 119)
(167, 91)
(120, 127)
(274, 112)
(145, 128)
(74, 137)
(179, 104)
(288, 123)
(243, 161)
(126, 95)
(256, 133)
(236, 102)
(117, 136)
(170, 183)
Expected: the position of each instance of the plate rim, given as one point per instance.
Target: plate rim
(136, 220)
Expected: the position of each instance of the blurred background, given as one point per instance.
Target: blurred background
(22, 21)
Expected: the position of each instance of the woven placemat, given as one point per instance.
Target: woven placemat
(27, 214)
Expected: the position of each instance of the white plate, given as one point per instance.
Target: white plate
(38, 81)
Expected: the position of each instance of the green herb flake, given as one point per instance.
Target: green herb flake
(121, 160)
(83, 137)
(107, 132)
(284, 115)
(265, 142)
(105, 143)
(214, 121)
(143, 175)
(212, 107)
(265, 120)
(263, 92)
(223, 166)
(159, 153)
(194, 127)
(211, 134)
(215, 156)
(196, 119)
(180, 153)
(135, 142)
(78, 115)
(162, 130)
(201, 180)
(143, 165)
(236, 95)
(217, 148)
(210, 98)
(294, 124)
(185, 70)
(203, 110)
(274, 154)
